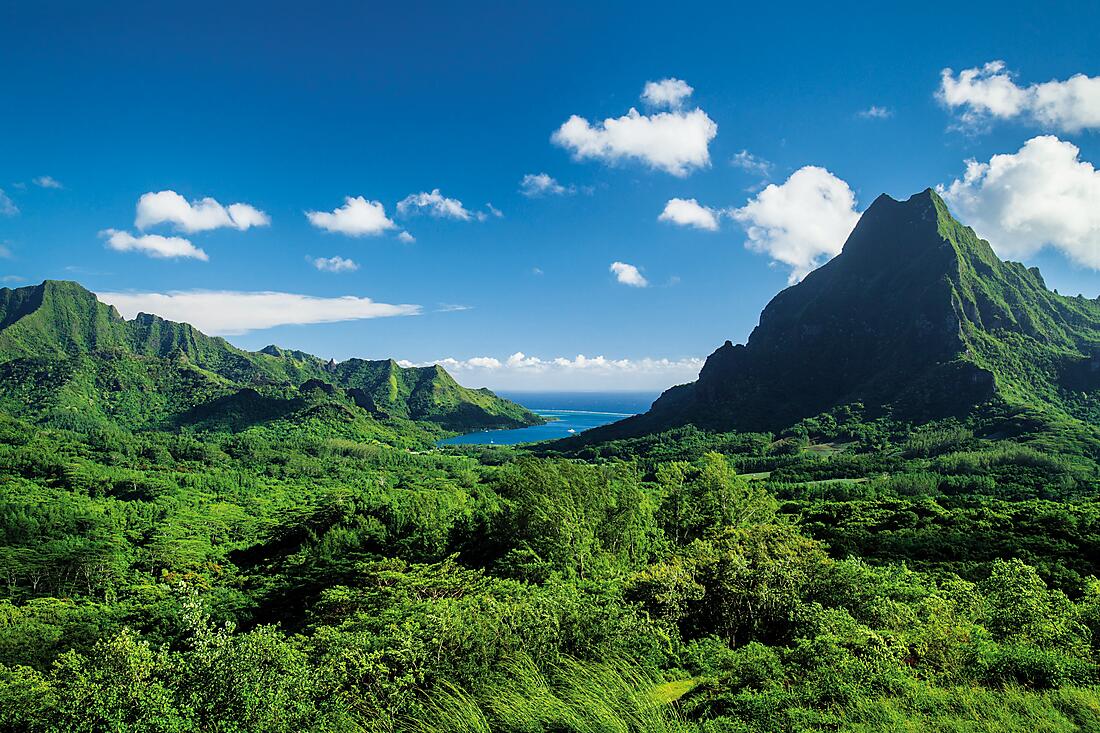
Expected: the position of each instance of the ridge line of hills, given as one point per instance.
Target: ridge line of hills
(64, 355)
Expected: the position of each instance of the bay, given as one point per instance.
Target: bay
(568, 413)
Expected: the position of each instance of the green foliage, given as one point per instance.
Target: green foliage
(570, 696)
(290, 577)
(709, 496)
(198, 538)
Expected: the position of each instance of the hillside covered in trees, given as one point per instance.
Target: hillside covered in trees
(197, 538)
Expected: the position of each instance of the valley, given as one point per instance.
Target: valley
(880, 513)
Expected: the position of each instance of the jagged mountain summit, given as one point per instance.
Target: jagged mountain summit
(67, 357)
(916, 318)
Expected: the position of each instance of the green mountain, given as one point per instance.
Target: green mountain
(66, 356)
(199, 538)
(916, 319)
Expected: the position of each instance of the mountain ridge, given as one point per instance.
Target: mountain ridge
(60, 345)
(917, 318)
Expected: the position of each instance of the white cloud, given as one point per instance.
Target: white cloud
(676, 142)
(229, 312)
(689, 213)
(874, 112)
(196, 216)
(491, 211)
(356, 218)
(334, 264)
(990, 92)
(153, 245)
(245, 216)
(7, 206)
(628, 275)
(434, 204)
(406, 237)
(5, 253)
(47, 182)
(542, 184)
(12, 278)
(802, 222)
(749, 162)
(524, 371)
(1042, 195)
(666, 93)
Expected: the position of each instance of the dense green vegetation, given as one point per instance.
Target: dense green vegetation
(286, 578)
(197, 538)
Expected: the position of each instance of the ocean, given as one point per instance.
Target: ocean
(569, 413)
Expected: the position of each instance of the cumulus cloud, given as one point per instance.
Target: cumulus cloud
(481, 362)
(153, 245)
(334, 264)
(434, 204)
(874, 112)
(230, 312)
(244, 216)
(689, 213)
(7, 206)
(1043, 195)
(406, 237)
(748, 162)
(628, 275)
(802, 222)
(542, 184)
(676, 142)
(987, 92)
(524, 371)
(356, 218)
(666, 93)
(168, 207)
(47, 182)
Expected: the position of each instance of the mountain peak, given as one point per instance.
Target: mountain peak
(890, 229)
(56, 317)
(916, 317)
(925, 198)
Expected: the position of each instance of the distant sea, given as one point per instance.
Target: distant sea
(569, 413)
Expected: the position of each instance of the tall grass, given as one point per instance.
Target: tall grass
(979, 710)
(573, 696)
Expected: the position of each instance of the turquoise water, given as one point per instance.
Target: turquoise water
(569, 412)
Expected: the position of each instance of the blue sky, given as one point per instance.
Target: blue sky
(289, 109)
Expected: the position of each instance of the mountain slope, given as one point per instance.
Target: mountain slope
(66, 356)
(424, 393)
(917, 318)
